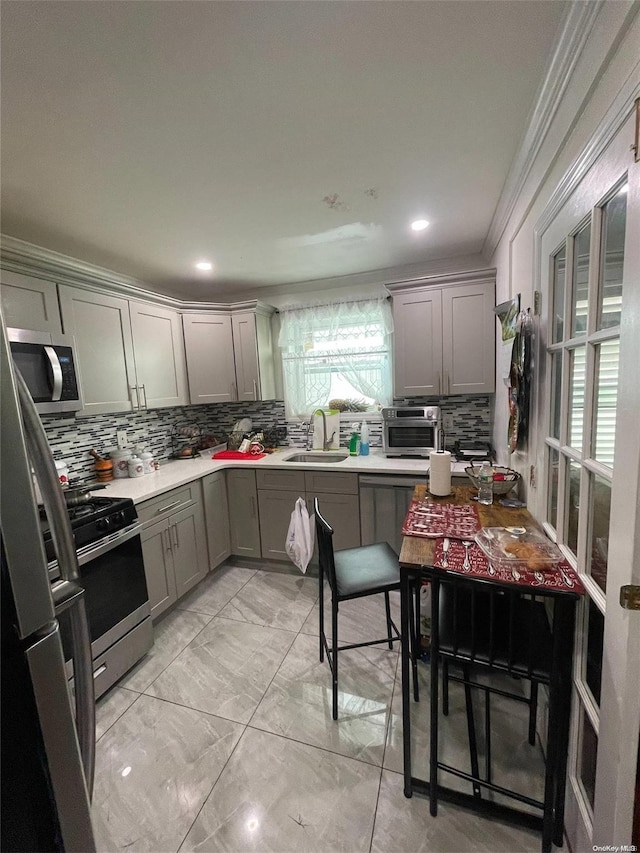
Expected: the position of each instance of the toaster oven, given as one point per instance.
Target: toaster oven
(411, 430)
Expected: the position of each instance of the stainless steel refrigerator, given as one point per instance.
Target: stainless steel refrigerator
(47, 743)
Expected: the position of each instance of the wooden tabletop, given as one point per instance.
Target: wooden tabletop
(419, 551)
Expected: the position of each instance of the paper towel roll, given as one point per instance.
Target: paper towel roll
(440, 473)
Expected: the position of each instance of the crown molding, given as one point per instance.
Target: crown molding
(448, 279)
(577, 26)
(27, 258)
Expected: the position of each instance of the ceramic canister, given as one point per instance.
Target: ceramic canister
(136, 468)
(121, 459)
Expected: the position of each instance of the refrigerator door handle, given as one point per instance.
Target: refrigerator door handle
(56, 509)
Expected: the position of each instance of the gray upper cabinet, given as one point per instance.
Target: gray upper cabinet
(30, 303)
(159, 356)
(229, 356)
(208, 341)
(130, 354)
(253, 352)
(417, 320)
(468, 353)
(444, 335)
(102, 331)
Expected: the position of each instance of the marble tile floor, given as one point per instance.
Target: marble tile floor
(221, 739)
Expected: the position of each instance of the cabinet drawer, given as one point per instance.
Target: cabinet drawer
(292, 480)
(170, 502)
(330, 483)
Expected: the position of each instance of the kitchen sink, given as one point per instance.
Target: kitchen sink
(320, 456)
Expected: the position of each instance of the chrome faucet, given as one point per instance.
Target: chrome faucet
(326, 442)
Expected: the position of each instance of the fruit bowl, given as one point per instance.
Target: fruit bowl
(504, 479)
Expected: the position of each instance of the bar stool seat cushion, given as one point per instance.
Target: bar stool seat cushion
(367, 568)
(519, 641)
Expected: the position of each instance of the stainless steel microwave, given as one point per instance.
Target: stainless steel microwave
(48, 365)
(410, 430)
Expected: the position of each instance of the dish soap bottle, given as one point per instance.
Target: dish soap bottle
(353, 441)
(364, 439)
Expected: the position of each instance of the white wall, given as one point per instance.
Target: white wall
(609, 58)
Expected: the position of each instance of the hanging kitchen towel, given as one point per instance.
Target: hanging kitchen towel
(299, 544)
(332, 434)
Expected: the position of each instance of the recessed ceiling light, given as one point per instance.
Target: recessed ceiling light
(204, 265)
(419, 225)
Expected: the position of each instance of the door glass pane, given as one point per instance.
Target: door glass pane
(607, 361)
(587, 757)
(552, 509)
(580, 289)
(576, 396)
(572, 491)
(556, 390)
(599, 516)
(595, 631)
(559, 266)
(614, 220)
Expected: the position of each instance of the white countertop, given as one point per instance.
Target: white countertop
(180, 471)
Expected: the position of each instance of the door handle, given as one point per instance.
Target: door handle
(255, 390)
(176, 541)
(630, 596)
(253, 506)
(136, 405)
(56, 369)
(144, 391)
(166, 542)
(439, 383)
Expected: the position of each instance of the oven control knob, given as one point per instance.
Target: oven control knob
(103, 524)
(120, 517)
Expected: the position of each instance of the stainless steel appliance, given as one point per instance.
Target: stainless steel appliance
(384, 503)
(107, 538)
(411, 430)
(48, 365)
(47, 755)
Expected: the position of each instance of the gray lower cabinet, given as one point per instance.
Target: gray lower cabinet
(158, 567)
(275, 515)
(216, 514)
(244, 523)
(174, 547)
(342, 512)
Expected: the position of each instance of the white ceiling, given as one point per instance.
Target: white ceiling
(285, 141)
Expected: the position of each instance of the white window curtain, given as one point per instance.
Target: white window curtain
(340, 350)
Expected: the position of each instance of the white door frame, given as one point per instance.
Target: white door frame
(620, 700)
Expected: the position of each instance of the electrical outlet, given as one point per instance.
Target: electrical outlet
(121, 437)
(447, 423)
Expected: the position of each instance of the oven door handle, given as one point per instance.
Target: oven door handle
(108, 543)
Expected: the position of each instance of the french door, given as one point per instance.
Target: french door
(588, 424)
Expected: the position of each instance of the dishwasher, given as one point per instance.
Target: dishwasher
(384, 501)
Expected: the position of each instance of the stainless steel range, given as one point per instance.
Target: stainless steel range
(106, 532)
(411, 430)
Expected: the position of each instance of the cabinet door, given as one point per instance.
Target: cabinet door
(342, 512)
(275, 514)
(159, 355)
(209, 346)
(102, 331)
(417, 342)
(216, 515)
(243, 513)
(189, 547)
(158, 567)
(468, 324)
(30, 303)
(245, 350)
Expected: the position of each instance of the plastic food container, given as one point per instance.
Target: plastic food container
(511, 546)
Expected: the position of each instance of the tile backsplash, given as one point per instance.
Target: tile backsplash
(471, 414)
(72, 438)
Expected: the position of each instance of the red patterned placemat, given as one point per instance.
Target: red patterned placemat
(235, 454)
(433, 519)
(470, 560)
